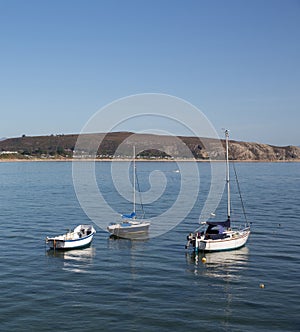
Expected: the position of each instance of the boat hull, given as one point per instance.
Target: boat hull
(129, 230)
(70, 244)
(236, 240)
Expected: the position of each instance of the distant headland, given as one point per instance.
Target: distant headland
(61, 147)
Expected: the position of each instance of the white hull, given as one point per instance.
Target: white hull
(235, 240)
(128, 229)
(80, 237)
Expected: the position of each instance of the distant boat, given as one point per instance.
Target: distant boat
(218, 235)
(80, 237)
(130, 226)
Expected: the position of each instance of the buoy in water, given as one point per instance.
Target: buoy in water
(203, 260)
(261, 285)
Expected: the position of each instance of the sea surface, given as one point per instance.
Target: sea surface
(154, 284)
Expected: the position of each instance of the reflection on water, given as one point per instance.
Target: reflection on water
(75, 260)
(115, 242)
(225, 264)
(138, 236)
(129, 251)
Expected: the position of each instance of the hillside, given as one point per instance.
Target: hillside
(62, 146)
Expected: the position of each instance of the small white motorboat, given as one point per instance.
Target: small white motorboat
(80, 237)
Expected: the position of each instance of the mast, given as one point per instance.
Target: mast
(227, 175)
(133, 178)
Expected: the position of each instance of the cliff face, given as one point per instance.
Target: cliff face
(257, 151)
(148, 146)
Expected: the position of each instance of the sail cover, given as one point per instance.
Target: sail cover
(129, 216)
(225, 224)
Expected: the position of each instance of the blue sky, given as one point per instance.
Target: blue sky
(237, 61)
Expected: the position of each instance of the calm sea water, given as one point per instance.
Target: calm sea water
(151, 285)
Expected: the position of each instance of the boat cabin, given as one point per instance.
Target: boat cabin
(216, 230)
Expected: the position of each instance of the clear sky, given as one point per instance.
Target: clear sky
(238, 61)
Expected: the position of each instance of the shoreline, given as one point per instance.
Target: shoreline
(16, 160)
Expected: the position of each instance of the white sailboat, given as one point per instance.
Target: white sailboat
(130, 226)
(218, 236)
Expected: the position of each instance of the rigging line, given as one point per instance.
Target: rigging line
(140, 194)
(240, 194)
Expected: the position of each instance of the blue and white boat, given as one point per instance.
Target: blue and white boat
(129, 226)
(80, 237)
